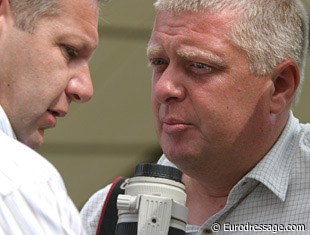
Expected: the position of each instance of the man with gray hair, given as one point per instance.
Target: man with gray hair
(225, 76)
(45, 47)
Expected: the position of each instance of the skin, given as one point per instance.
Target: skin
(214, 119)
(42, 72)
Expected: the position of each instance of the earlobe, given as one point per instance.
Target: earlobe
(286, 80)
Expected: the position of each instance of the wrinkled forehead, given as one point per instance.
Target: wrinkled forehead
(191, 35)
(198, 21)
(197, 5)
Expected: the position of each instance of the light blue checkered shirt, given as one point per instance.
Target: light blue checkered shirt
(274, 197)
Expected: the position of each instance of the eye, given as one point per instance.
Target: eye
(199, 65)
(70, 52)
(157, 62)
(201, 68)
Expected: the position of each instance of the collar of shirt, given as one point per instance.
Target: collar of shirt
(274, 169)
(5, 125)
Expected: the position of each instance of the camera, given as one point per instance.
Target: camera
(154, 202)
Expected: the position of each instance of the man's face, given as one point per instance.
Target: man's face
(207, 105)
(42, 72)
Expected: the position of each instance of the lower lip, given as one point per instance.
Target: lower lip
(174, 128)
(50, 121)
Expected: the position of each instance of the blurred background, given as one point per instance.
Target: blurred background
(112, 133)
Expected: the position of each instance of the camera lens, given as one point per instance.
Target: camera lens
(154, 201)
(160, 171)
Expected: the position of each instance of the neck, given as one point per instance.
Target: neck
(217, 178)
(209, 181)
(201, 203)
(208, 188)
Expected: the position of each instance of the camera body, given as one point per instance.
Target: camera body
(153, 203)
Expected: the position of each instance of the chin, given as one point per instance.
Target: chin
(183, 158)
(177, 150)
(34, 141)
(35, 145)
(178, 157)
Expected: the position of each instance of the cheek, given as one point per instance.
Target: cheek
(53, 82)
(155, 104)
(218, 114)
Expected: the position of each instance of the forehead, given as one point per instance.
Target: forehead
(86, 10)
(200, 22)
(77, 5)
(76, 18)
(192, 29)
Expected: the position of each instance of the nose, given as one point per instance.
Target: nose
(80, 87)
(168, 87)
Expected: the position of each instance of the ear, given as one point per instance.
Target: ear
(285, 78)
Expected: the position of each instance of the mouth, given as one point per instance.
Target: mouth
(49, 120)
(172, 126)
(52, 115)
(55, 113)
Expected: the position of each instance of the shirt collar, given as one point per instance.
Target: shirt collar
(274, 169)
(5, 125)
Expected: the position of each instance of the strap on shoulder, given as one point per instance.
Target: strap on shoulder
(109, 217)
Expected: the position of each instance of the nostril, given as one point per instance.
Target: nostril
(54, 113)
(76, 97)
(171, 99)
(57, 112)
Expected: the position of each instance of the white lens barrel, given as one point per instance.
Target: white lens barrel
(154, 202)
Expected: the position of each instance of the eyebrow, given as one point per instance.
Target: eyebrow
(188, 54)
(153, 50)
(193, 54)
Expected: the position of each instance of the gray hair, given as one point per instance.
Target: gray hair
(28, 12)
(270, 31)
